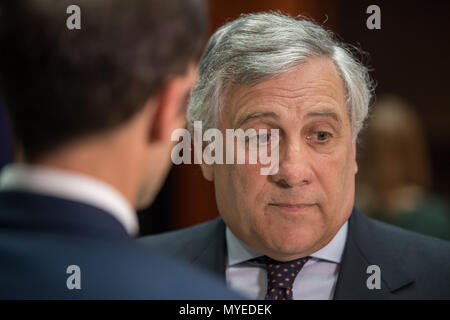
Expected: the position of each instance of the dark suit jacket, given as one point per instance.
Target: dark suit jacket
(412, 266)
(40, 236)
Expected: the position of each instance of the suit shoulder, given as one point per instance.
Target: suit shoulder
(409, 238)
(110, 269)
(178, 241)
(413, 248)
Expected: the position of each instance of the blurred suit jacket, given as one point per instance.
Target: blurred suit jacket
(40, 236)
(412, 266)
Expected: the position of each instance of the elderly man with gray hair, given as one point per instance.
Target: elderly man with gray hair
(295, 234)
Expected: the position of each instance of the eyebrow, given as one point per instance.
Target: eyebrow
(257, 115)
(329, 114)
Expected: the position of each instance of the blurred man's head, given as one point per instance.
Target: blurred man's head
(116, 87)
(269, 71)
(395, 166)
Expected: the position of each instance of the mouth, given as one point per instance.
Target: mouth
(292, 207)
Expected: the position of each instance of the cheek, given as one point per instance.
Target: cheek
(239, 194)
(248, 185)
(336, 175)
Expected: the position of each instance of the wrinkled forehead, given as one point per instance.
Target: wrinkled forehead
(312, 86)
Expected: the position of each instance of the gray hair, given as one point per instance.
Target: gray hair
(256, 46)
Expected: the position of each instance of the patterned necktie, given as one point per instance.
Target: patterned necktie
(281, 276)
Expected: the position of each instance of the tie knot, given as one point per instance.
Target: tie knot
(281, 274)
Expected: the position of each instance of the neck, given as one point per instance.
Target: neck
(112, 158)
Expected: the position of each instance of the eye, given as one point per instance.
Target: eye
(263, 138)
(321, 136)
(260, 138)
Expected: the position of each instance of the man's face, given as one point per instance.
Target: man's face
(298, 210)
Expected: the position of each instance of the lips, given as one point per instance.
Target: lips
(291, 205)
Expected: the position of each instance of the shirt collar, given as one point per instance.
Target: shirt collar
(239, 252)
(70, 185)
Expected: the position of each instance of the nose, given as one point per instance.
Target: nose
(294, 168)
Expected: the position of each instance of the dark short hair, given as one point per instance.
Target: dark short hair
(59, 85)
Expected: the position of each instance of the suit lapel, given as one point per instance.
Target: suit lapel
(366, 246)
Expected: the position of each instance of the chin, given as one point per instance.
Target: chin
(144, 199)
(295, 243)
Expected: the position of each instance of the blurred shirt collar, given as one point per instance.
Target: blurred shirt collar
(70, 185)
(238, 252)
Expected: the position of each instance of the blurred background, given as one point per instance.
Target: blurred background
(403, 154)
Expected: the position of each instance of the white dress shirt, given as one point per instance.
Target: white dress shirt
(316, 280)
(72, 186)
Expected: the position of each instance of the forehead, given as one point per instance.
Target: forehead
(313, 86)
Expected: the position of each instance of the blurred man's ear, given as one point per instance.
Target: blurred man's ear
(170, 105)
(354, 156)
(207, 171)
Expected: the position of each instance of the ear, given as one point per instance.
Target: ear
(170, 105)
(354, 156)
(207, 171)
